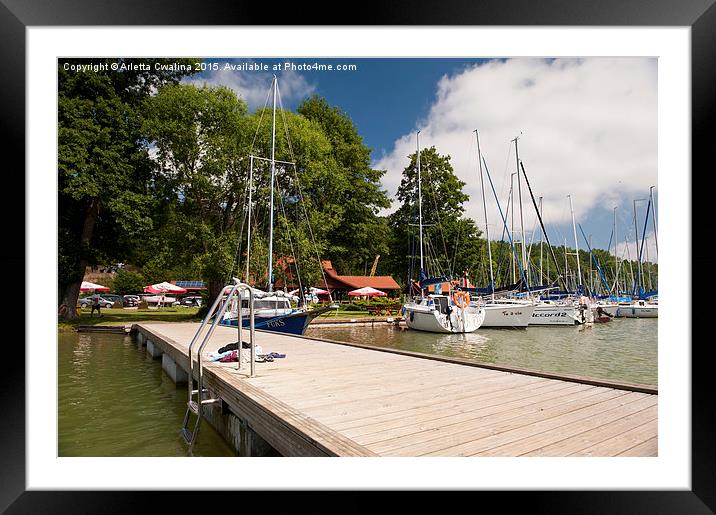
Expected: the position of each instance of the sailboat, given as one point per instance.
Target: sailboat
(439, 313)
(273, 310)
(500, 312)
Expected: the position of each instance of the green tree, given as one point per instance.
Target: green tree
(104, 171)
(196, 136)
(362, 234)
(451, 242)
(126, 282)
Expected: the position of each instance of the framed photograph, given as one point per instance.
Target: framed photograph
(651, 67)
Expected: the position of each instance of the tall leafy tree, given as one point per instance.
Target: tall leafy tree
(451, 242)
(362, 234)
(103, 167)
(194, 135)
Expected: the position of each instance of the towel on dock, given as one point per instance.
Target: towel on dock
(232, 355)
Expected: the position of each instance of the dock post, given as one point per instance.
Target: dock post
(154, 350)
(178, 375)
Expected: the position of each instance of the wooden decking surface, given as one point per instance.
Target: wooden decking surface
(329, 399)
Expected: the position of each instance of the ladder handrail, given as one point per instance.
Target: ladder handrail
(200, 401)
(209, 313)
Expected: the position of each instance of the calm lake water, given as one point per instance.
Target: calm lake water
(624, 349)
(114, 400)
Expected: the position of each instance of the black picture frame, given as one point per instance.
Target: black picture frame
(699, 15)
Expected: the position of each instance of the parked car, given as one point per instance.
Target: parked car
(114, 298)
(189, 302)
(130, 301)
(104, 303)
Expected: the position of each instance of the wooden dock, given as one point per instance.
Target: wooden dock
(333, 399)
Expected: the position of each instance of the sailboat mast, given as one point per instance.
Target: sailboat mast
(616, 255)
(541, 276)
(420, 205)
(484, 207)
(653, 219)
(525, 265)
(512, 222)
(248, 236)
(273, 175)
(638, 282)
(576, 244)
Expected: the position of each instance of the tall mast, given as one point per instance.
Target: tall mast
(512, 223)
(248, 236)
(541, 277)
(522, 219)
(639, 282)
(576, 244)
(420, 206)
(653, 219)
(273, 175)
(487, 227)
(616, 255)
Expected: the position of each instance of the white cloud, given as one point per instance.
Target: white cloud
(589, 130)
(253, 87)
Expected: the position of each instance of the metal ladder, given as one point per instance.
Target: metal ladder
(197, 397)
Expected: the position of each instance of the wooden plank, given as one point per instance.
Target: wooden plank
(287, 430)
(476, 409)
(584, 439)
(475, 435)
(539, 439)
(624, 441)
(397, 395)
(647, 448)
(456, 404)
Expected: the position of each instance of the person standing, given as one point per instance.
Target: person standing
(95, 305)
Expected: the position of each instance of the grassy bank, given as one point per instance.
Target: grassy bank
(130, 316)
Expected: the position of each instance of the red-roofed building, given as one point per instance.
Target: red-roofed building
(339, 285)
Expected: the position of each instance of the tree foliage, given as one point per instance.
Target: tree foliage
(451, 242)
(103, 166)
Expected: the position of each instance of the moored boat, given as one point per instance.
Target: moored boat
(639, 309)
(441, 314)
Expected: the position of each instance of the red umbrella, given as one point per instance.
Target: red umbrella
(164, 287)
(88, 286)
(367, 292)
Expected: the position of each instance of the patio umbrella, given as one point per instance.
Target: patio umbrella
(164, 287)
(88, 286)
(367, 292)
(314, 291)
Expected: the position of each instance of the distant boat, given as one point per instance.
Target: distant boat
(639, 309)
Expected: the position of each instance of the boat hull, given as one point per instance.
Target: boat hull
(637, 312)
(435, 322)
(294, 323)
(508, 315)
(553, 314)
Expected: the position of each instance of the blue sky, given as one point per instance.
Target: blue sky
(588, 127)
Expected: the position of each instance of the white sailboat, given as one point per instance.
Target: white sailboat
(438, 313)
(503, 313)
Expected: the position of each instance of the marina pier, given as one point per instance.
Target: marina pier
(328, 398)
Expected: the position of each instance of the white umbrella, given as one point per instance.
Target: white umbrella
(367, 292)
(88, 286)
(314, 291)
(164, 287)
